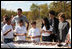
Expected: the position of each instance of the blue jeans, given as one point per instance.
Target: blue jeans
(7, 40)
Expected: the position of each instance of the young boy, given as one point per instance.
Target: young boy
(34, 32)
(21, 31)
(7, 31)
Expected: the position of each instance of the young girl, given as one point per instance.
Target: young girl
(34, 32)
(21, 31)
(46, 30)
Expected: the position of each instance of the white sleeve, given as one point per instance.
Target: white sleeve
(44, 28)
(39, 31)
(50, 28)
(25, 30)
(70, 31)
(4, 30)
(29, 32)
(16, 29)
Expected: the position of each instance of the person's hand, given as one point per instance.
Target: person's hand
(66, 41)
(49, 32)
(30, 36)
(42, 31)
(34, 41)
(9, 30)
(22, 34)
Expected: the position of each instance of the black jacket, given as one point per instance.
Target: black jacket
(55, 25)
(64, 30)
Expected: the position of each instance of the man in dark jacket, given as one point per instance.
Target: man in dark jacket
(54, 22)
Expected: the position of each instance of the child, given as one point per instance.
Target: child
(34, 33)
(7, 31)
(21, 31)
(46, 30)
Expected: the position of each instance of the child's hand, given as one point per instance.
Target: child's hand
(22, 34)
(9, 30)
(43, 31)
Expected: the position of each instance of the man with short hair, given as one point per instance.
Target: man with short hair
(18, 17)
(54, 22)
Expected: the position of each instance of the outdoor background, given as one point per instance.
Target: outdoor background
(36, 10)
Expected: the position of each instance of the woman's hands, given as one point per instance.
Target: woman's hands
(43, 31)
(48, 32)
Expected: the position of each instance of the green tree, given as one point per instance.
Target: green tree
(43, 10)
(35, 11)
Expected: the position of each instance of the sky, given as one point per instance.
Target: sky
(24, 5)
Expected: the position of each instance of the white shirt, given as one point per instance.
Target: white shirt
(5, 29)
(46, 34)
(70, 32)
(19, 30)
(34, 32)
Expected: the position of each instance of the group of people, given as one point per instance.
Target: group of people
(52, 29)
